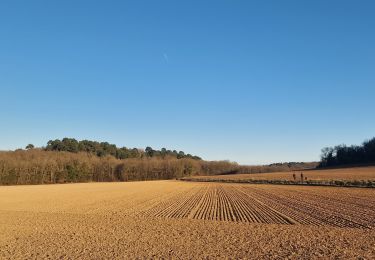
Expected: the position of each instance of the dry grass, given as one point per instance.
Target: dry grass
(356, 173)
(171, 219)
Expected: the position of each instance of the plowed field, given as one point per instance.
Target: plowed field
(270, 204)
(345, 174)
(172, 219)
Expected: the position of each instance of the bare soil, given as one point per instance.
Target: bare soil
(171, 219)
(349, 174)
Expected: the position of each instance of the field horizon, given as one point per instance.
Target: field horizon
(358, 176)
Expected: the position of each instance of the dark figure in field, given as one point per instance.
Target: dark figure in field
(301, 176)
(294, 176)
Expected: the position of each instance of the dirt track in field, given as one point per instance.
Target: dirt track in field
(174, 219)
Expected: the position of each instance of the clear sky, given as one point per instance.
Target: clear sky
(248, 81)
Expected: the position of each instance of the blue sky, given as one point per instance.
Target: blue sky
(248, 81)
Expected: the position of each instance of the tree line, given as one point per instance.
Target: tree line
(69, 160)
(102, 149)
(346, 155)
(38, 166)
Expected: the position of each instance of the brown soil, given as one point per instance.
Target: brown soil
(171, 219)
(356, 173)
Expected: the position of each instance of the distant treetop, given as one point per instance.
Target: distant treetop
(355, 154)
(105, 148)
(29, 146)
